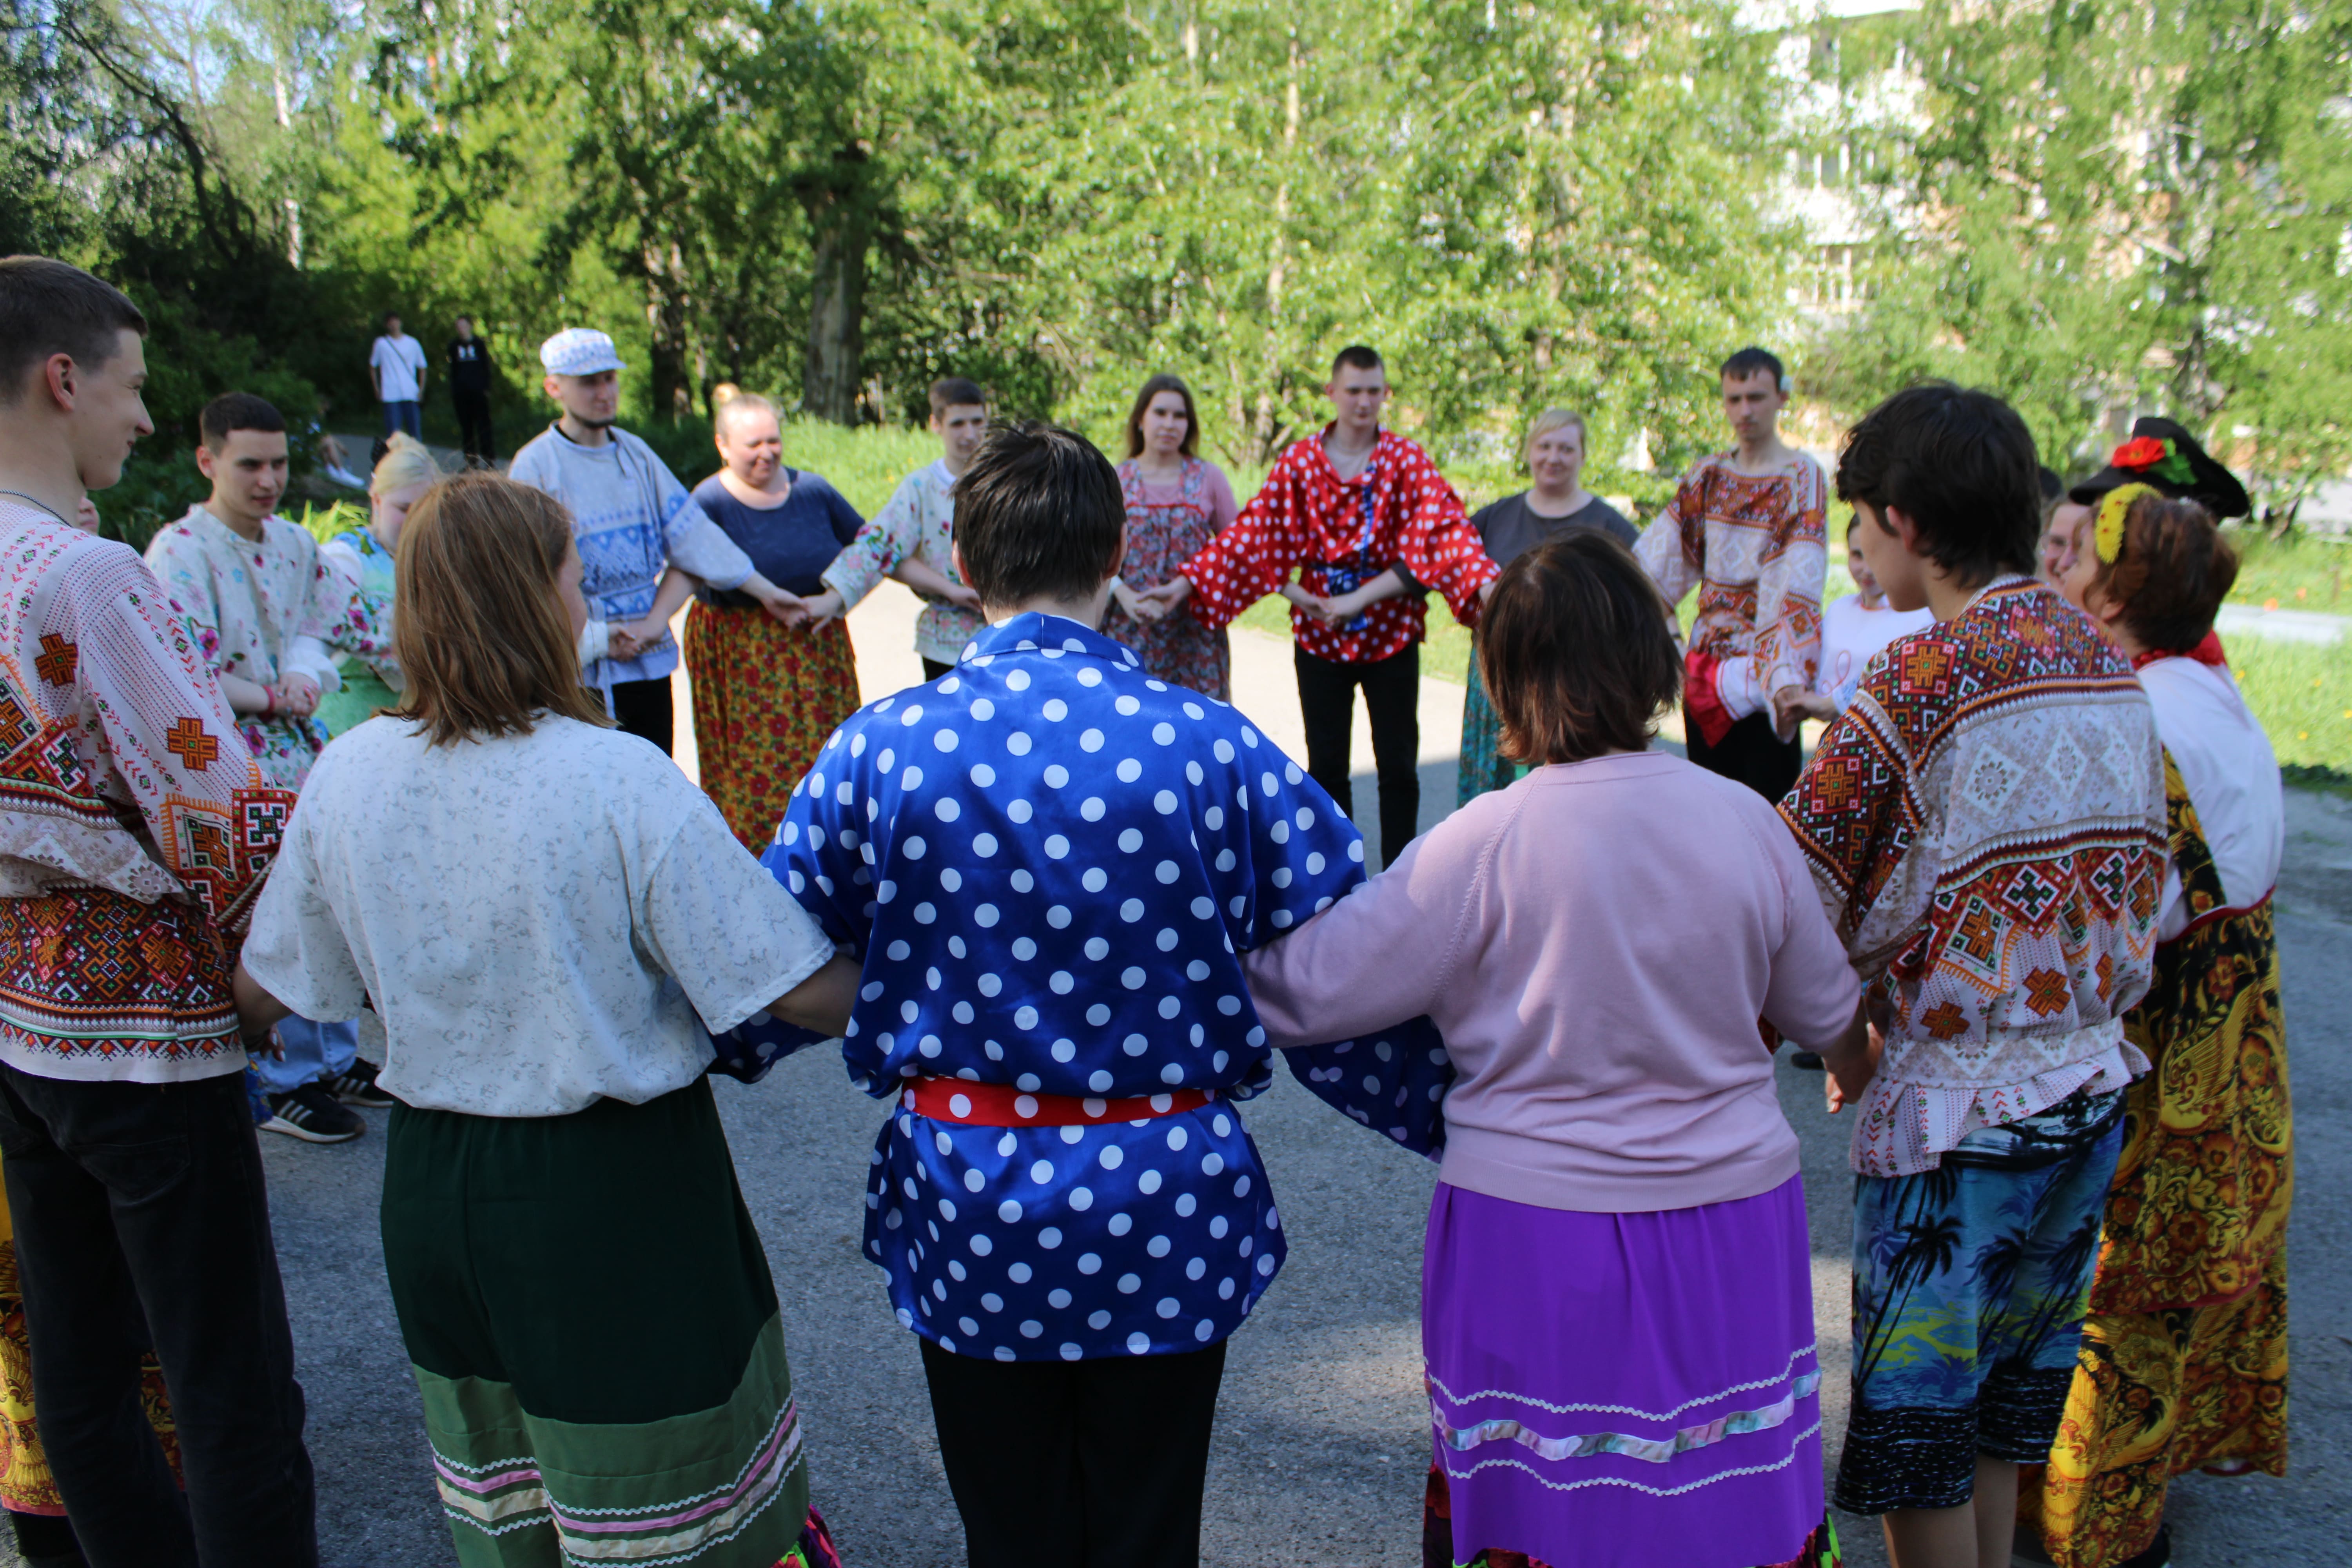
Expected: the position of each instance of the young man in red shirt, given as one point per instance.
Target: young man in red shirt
(1371, 526)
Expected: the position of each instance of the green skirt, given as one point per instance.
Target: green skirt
(591, 1320)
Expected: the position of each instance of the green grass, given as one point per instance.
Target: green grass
(2299, 572)
(2302, 695)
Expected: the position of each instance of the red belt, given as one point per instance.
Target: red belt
(1000, 1105)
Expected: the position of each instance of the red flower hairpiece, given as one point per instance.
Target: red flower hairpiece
(2151, 455)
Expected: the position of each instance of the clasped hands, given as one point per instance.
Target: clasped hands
(631, 638)
(1157, 603)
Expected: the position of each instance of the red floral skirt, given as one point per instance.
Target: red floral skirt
(765, 697)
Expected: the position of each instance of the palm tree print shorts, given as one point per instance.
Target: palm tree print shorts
(1970, 1284)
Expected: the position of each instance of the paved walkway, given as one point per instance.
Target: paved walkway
(1321, 1437)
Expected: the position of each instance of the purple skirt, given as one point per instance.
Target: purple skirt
(1632, 1389)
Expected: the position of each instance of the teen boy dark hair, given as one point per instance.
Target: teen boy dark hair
(1985, 826)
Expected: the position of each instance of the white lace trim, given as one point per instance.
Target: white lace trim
(1905, 1128)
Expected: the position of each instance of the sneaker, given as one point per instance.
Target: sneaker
(1810, 1061)
(313, 1114)
(355, 1085)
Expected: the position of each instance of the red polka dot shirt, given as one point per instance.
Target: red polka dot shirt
(1308, 519)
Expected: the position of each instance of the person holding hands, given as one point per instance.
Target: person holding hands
(644, 544)
(1369, 524)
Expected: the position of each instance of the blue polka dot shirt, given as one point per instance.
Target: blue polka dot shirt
(1049, 863)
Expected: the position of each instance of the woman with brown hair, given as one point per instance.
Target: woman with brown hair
(1617, 1316)
(552, 921)
(1176, 503)
(2184, 1356)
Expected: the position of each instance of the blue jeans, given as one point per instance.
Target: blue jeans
(408, 416)
(314, 1052)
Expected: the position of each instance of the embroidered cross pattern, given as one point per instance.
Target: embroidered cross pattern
(1925, 666)
(1944, 1021)
(57, 659)
(189, 743)
(2046, 992)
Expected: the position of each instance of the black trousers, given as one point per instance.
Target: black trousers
(1327, 702)
(642, 707)
(1083, 1464)
(1751, 753)
(933, 669)
(473, 424)
(141, 1217)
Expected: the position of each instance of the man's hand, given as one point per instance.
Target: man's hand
(258, 1011)
(1128, 603)
(642, 634)
(1788, 707)
(298, 694)
(1794, 704)
(1851, 1064)
(621, 643)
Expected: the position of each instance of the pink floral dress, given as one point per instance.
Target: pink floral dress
(1160, 537)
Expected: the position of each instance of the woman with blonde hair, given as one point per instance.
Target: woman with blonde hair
(1556, 505)
(362, 558)
(552, 922)
(766, 692)
(1176, 503)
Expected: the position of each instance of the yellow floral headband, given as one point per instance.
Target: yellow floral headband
(2107, 537)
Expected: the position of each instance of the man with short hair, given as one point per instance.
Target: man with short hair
(269, 614)
(137, 828)
(469, 395)
(1747, 528)
(645, 543)
(912, 537)
(397, 371)
(1371, 526)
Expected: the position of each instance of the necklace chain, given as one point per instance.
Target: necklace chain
(38, 501)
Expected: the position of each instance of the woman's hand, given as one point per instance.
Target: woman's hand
(1160, 601)
(823, 1001)
(1130, 602)
(1794, 704)
(298, 694)
(824, 609)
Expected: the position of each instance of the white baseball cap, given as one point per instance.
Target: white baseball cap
(579, 351)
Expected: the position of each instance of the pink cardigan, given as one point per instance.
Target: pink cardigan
(1596, 944)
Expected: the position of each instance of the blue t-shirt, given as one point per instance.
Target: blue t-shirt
(788, 545)
(1050, 863)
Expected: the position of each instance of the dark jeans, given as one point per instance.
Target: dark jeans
(1327, 701)
(1750, 753)
(474, 425)
(142, 1218)
(408, 415)
(643, 710)
(1085, 1464)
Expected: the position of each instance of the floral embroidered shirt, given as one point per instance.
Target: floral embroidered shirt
(1985, 823)
(1337, 534)
(1753, 544)
(1051, 863)
(125, 772)
(263, 609)
(917, 521)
